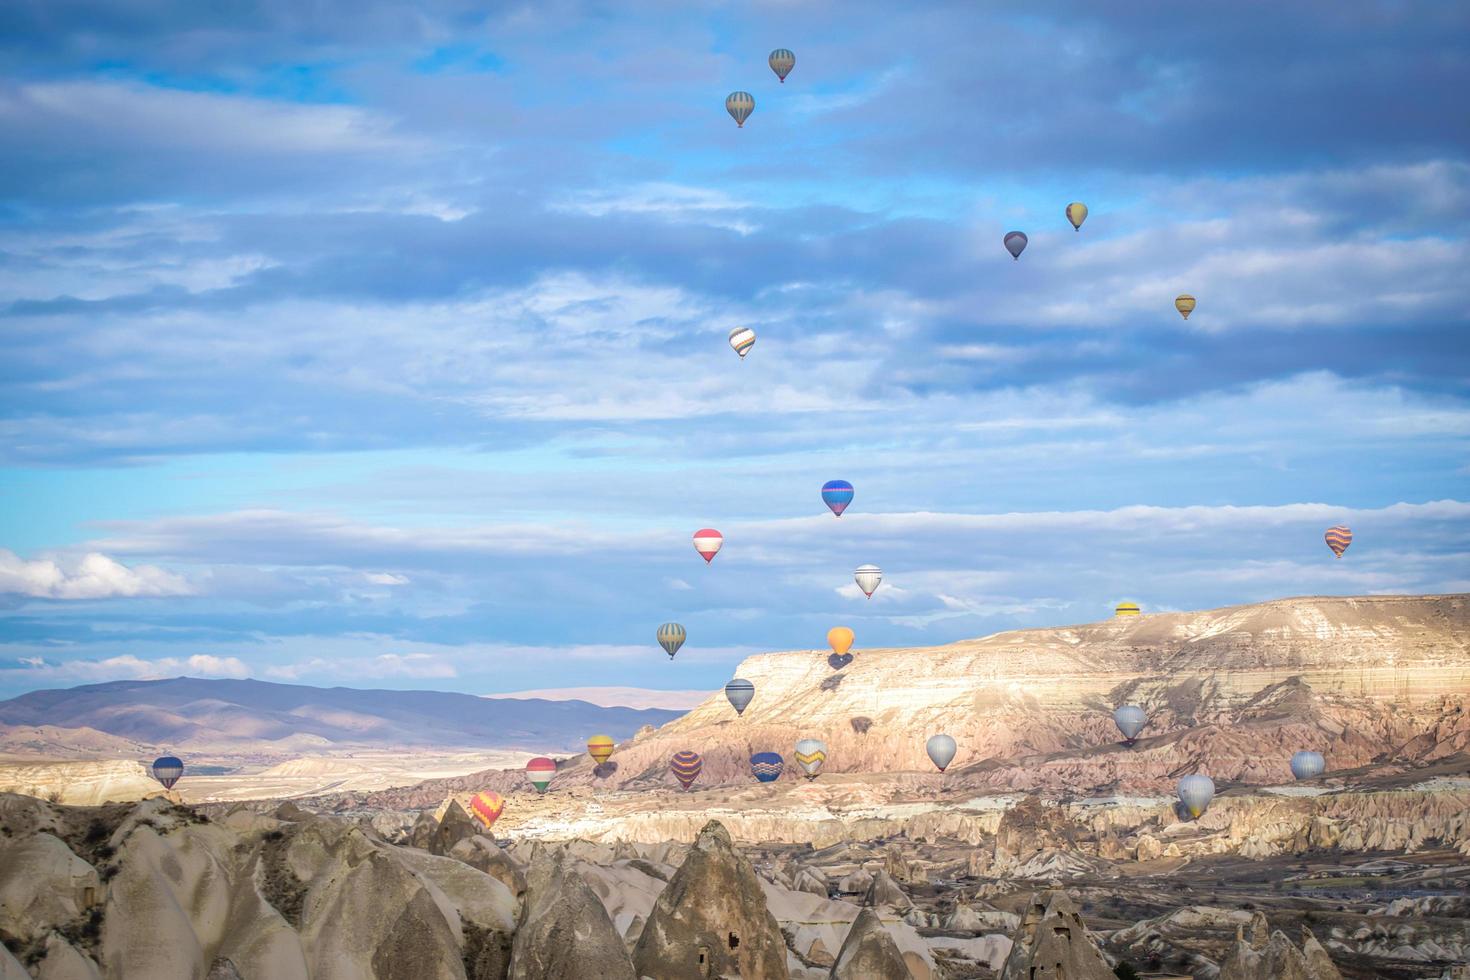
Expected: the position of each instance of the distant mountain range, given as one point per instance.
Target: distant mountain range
(228, 716)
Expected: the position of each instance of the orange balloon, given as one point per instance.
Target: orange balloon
(600, 747)
(840, 638)
(486, 807)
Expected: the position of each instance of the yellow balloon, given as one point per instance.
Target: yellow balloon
(1077, 213)
(600, 747)
(840, 638)
(1184, 303)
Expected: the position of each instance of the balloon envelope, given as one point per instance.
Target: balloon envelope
(539, 771)
(781, 62)
(671, 637)
(686, 767)
(1130, 719)
(1015, 243)
(600, 747)
(1307, 765)
(742, 339)
(739, 105)
(1127, 609)
(1338, 538)
(837, 494)
(941, 749)
(1077, 213)
(1184, 303)
(739, 691)
(708, 542)
(767, 766)
(867, 578)
(1196, 792)
(811, 755)
(167, 769)
(486, 807)
(840, 638)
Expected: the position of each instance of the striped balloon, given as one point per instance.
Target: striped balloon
(742, 339)
(1077, 213)
(539, 771)
(1338, 538)
(740, 105)
(767, 766)
(1130, 719)
(868, 577)
(1127, 609)
(837, 494)
(486, 807)
(167, 770)
(739, 691)
(708, 542)
(686, 767)
(1196, 792)
(781, 62)
(1307, 765)
(1184, 303)
(1015, 242)
(600, 747)
(811, 755)
(671, 637)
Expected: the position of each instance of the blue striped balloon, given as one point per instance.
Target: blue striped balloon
(837, 494)
(767, 766)
(739, 692)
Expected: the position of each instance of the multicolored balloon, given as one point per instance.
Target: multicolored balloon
(671, 637)
(742, 339)
(539, 771)
(167, 769)
(487, 806)
(740, 105)
(739, 692)
(1184, 303)
(840, 638)
(868, 577)
(811, 755)
(1127, 609)
(686, 767)
(837, 494)
(1130, 719)
(1308, 765)
(1015, 242)
(767, 766)
(1077, 213)
(781, 62)
(941, 749)
(1338, 538)
(708, 542)
(600, 747)
(1196, 792)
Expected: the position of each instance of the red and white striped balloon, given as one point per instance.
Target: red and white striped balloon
(707, 542)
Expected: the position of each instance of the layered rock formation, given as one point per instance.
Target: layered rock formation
(1051, 943)
(1268, 955)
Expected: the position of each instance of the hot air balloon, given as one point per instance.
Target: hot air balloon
(739, 691)
(740, 105)
(1077, 213)
(867, 578)
(1015, 243)
(167, 769)
(837, 494)
(1127, 609)
(1130, 719)
(840, 638)
(1184, 303)
(742, 339)
(941, 749)
(600, 747)
(781, 62)
(686, 767)
(767, 766)
(1338, 538)
(486, 807)
(708, 541)
(539, 771)
(671, 637)
(1307, 765)
(1196, 792)
(811, 755)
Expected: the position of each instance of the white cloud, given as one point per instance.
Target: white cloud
(129, 667)
(93, 576)
(385, 578)
(412, 665)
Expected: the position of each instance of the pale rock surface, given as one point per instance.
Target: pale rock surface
(885, 891)
(10, 968)
(564, 932)
(1052, 943)
(63, 961)
(456, 825)
(869, 953)
(1268, 955)
(42, 882)
(810, 880)
(483, 854)
(712, 919)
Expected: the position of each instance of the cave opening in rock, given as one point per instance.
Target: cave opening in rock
(734, 940)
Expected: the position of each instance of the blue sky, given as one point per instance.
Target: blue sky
(379, 343)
